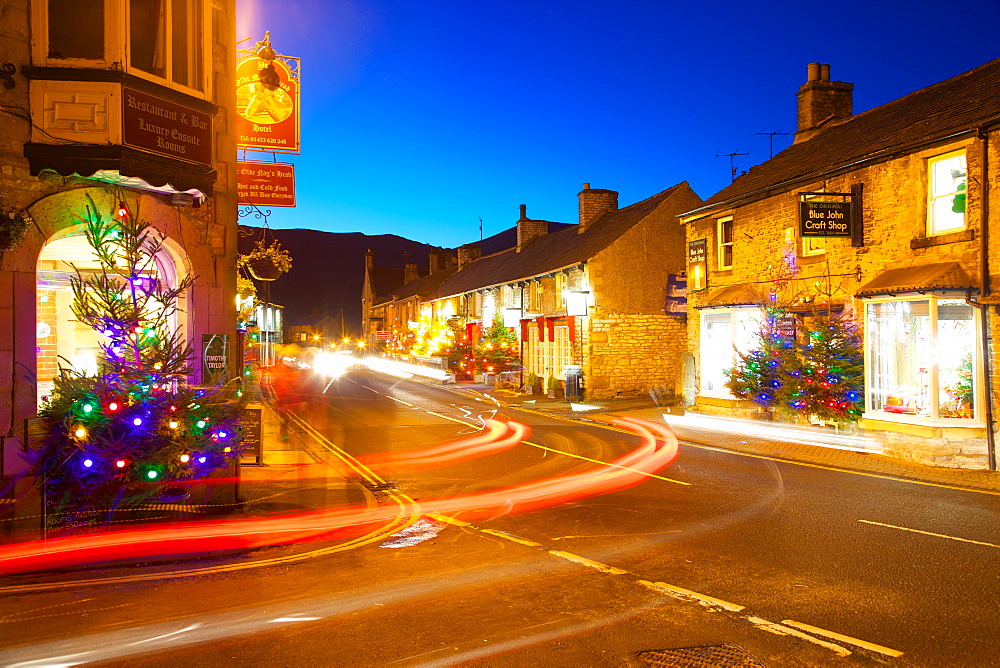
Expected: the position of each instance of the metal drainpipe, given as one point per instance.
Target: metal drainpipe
(984, 291)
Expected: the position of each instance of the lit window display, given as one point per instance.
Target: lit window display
(921, 358)
(723, 332)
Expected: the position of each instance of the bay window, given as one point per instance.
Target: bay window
(723, 333)
(165, 41)
(921, 359)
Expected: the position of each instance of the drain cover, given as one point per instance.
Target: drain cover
(700, 657)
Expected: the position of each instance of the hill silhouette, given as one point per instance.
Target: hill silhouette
(328, 268)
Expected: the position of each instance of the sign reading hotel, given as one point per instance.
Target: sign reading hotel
(166, 128)
(825, 219)
(267, 104)
(265, 183)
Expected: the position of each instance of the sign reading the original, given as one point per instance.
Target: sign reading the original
(265, 183)
(166, 128)
(215, 358)
(825, 219)
(697, 275)
(267, 104)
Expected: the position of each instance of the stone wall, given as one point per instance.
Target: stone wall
(629, 354)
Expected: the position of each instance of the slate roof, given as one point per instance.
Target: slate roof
(551, 252)
(932, 114)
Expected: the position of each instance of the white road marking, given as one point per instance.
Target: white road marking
(687, 594)
(930, 533)
(280, 620)
(780, 630)
(405, 403)
(842, 638)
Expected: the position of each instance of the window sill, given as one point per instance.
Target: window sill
(941, 239)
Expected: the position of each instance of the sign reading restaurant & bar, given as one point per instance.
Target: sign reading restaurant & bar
(824, 219)
(163, 127)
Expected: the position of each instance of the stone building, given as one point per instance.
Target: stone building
(593, 294)
(131, 110)
(915, 270)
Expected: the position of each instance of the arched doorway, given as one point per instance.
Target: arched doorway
(61, 341)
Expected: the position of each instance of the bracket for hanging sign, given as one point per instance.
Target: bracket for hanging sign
(822, 218)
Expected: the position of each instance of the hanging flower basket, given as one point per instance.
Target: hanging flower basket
(14, 223)
(267, 263)
(264, 269)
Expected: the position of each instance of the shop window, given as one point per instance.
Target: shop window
(921, 359)
(166, 40)
(724, 236)
(76, 29)
(723, 332)
(946, 192)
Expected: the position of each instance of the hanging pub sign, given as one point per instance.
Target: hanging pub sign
(265, 183)
(267, 101)
(166, 128)
(676, 301)
(825, 219)
(697, 261)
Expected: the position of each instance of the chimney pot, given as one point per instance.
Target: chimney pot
(586, 186)
(524, 212)
(824, 72)
(812, 72)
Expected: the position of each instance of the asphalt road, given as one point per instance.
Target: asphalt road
(727, 553)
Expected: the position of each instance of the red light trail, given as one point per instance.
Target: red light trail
(657, 450)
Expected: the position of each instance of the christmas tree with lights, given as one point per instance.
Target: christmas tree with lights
(498, 348)
(824, 380)
(136, 427)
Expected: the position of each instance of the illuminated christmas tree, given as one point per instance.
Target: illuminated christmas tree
(124, 434)
(498, 348)
(825, 378)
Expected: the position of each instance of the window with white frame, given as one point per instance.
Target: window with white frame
(922, 358)
(946, 193)
(165, 39)
(723, 332)
(724, 239)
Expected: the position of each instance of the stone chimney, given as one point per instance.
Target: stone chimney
(439, 259)
(528, 230)
(594, 203)
(410, 273)
(369, 259)
(822, 102)
(469, 253)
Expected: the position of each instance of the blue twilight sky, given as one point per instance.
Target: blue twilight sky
(422, 116)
